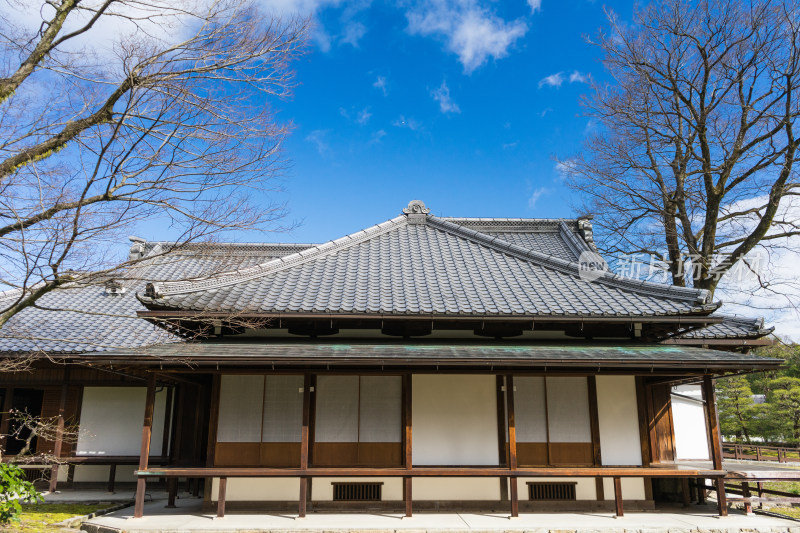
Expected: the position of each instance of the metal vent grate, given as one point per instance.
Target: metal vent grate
(551, 490)
(357, 492)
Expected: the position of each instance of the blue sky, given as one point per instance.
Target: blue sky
(462, 104)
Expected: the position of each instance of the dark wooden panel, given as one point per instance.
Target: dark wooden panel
(280, 454)
(237, 453)
(571, 453)
(532, 453)
(50, 404)
(659, 421)
(380, 453)
(335, 453)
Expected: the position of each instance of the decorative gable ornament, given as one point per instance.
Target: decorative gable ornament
(416, 212)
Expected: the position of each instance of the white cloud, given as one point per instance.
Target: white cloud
(410, 123)
(508, 146)
(359, 117)
(535, 5)
(377, 136)
(319, 138)
(545, 111)
(442, 95)
(353, 32)
(538, 193)
(553, 80)
(471, 31)
(579, 77)
(564, 167)
(381, 83)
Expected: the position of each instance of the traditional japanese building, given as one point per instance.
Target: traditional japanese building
(424, 362)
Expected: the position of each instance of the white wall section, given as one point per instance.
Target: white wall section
(618, 417)
(111, 421)
(689, 421)
(455, 420)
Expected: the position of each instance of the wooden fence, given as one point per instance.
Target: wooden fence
(753, 452)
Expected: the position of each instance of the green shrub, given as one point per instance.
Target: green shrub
(13, 488)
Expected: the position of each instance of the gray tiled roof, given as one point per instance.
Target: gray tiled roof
(732, 327)
(83, 318)
(439, 267)
(529, 355)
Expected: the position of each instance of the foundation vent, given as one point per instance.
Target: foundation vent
(551, 490)
(357, 492)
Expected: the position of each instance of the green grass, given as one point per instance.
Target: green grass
(792, 487)
(791, 512)
(41, 517)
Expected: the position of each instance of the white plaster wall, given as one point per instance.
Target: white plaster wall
(585, 489)
(618, 418)
(111, 421)
(461, 488)
(632, 488)
(279, 489)
(322, 488)
(689, 421)
(455, 421)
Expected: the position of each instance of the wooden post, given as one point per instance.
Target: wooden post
(213, 421)
(512, 444)
(407, 455)
(594, 421)
(5, 419)
(618, 496)
(502, 449)
(301, 511)
(172, 489)
(716, 442)
(758, 453)
(112, 477)
(748, 506)
(687, 499)
(144, 454)
(223, 486)
(169, 413)
(62, 405)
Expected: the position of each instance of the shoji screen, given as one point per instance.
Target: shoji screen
(569, 420)
(531, 420)
(358, 420)
(260, 418)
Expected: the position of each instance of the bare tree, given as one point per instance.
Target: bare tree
(692, 160)
(118, 112)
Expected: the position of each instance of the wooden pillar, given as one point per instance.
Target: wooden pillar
(301, 511)
(748, 506)
(715, 440)
(502, 448)
(172, 489)
(169, 412)
(57, 445)
(512, 444)
(223, 486)
(112, 477)
(213, 420)
(408, 460)
(144, 454)
(618, 496)
(5, 419)
(687, 498)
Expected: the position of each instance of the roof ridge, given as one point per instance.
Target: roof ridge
(155, 290)
(647, 287)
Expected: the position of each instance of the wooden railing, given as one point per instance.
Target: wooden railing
(754, 452)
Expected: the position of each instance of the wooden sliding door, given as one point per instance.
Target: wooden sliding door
(553, 421)
(358, 421)
(260, 419)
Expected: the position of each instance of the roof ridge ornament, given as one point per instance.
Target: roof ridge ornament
(416, 212)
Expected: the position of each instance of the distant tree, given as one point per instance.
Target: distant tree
(784, 399)
(736, 406)
(167, 120)
(695, 141)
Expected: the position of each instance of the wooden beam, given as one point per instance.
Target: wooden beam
(618, 496)
(62, 405)
(712, 418)
(144, 454)
(301, 511)
(408, 460)
(512, 444)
